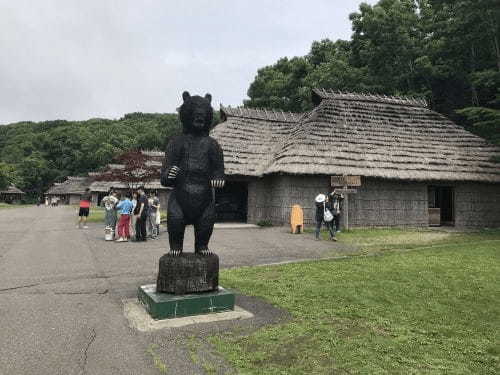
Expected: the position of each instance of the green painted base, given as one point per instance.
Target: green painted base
(165, 305)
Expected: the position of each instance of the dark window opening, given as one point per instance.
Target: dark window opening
(441, 205)
(100, 196)
(231, 202)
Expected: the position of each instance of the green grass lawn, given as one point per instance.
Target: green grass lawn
(7, 205)
(96, 215)
(432, 310)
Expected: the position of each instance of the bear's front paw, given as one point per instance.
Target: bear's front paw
(173, 172)
(218, 184)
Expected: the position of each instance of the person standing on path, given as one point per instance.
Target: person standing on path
(336, 203)
(132, 216)
(320, 203)
(142, 212)
(125, 208)
(83, 213)
(109, 202)
(158, 218)
(153, 211)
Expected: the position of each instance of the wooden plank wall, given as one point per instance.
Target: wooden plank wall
(477, 205)
(378, 202)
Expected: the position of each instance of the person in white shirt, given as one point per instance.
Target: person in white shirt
(109, 202)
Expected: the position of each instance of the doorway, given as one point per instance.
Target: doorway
(442, 205)
(231, 203)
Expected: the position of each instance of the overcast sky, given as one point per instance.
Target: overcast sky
(73, 59)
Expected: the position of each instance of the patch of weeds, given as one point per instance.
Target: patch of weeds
(193, 345)
(157, 361)
(264, 223)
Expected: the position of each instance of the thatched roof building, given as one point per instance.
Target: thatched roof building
(386, 140)
(11, 195)
(70, 190)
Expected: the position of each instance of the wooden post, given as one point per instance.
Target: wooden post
(348, 182)
(346, 210)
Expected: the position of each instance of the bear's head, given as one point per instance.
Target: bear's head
(196, 114)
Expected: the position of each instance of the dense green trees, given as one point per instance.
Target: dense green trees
(34, 155)
(7, 175)
(446, 51)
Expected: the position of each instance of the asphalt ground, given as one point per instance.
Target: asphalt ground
(62, 291)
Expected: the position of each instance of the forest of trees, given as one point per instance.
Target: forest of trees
(34, 155)
(446, 51)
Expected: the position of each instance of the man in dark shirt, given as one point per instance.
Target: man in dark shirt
(335, 200)
(141, 212)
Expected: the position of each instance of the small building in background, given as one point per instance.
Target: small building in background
(100, 189)
(69, 191)
(124, 177)
(12, 195)
(416, 167)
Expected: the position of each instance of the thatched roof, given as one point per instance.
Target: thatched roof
(12, 190)
(354, 134)
(72, 185)
(250, 137)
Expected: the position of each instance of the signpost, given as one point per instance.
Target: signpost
(344, 185)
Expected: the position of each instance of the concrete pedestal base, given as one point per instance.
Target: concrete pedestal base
(164, 305)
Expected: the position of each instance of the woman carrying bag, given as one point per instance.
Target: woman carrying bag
(323, 215)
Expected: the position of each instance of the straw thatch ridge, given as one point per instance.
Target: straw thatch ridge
(357, 134)
(259, 114)
(319, 94)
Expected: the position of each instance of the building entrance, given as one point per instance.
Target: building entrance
(441, 205)
(231, 202)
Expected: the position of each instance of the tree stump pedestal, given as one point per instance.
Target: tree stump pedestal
(188, 273)
(187, 285)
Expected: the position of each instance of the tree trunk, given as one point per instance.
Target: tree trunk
(475, 99)
(497, 50)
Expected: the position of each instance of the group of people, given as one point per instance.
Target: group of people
(139, 215)
(52, 201)
(127, 216)
(328, 211)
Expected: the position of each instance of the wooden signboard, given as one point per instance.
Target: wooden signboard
(353, 181)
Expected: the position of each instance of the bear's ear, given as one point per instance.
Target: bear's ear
(185, 96)
(208, 97)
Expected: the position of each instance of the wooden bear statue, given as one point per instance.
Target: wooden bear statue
(194, 166)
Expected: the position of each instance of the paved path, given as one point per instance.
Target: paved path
(61, 293)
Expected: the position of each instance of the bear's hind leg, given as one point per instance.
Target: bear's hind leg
(203, 229)
(176, 226)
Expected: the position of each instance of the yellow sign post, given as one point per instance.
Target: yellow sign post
(297, 219)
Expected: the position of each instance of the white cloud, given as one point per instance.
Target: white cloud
(100, 58)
